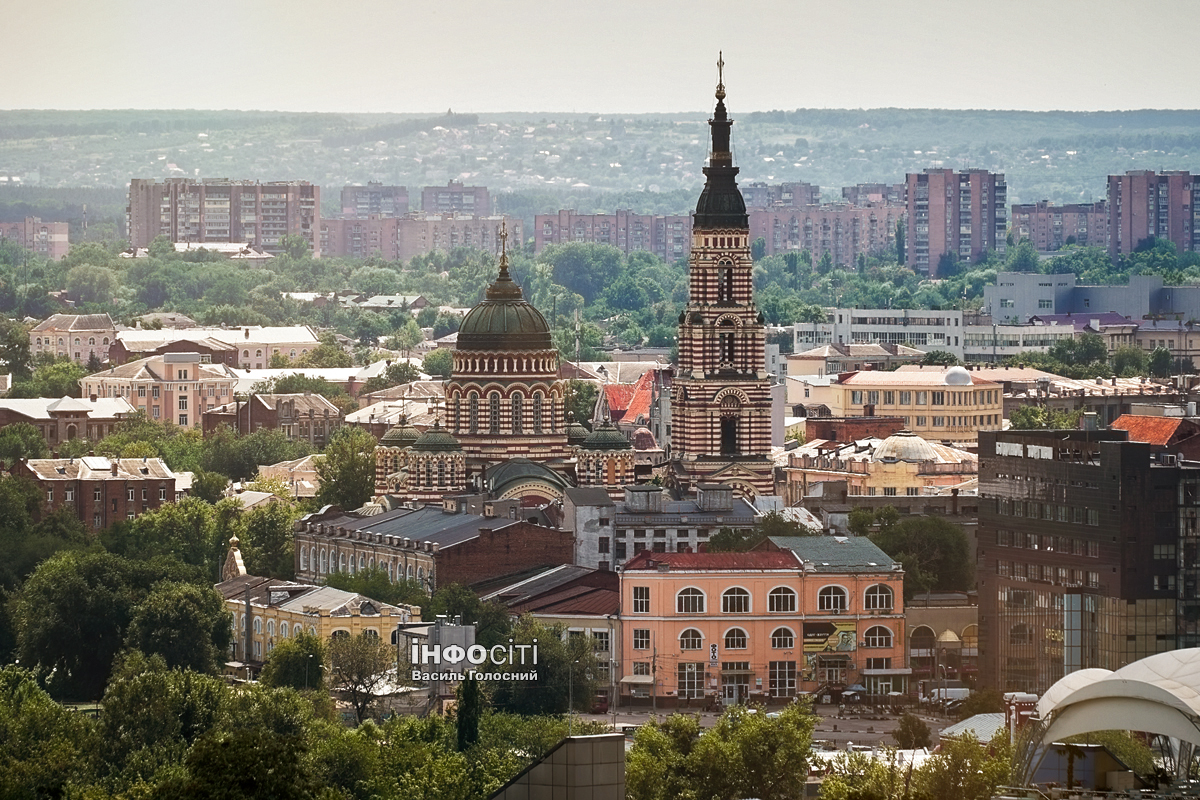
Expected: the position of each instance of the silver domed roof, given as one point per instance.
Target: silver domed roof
(904, 446)
(957, 376)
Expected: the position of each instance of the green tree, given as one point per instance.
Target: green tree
(209, 486)
(1130, 362)
(964, 769)
(20, 440)
(296, 663)
(562, 668)
(900, 235)
(47, 748)
(1025, 418)
(1160, 362)
(377, 584)
(187, 625)
(406, 337)
(295, 246)
(942, 358)
(438, 362)
(934, 551)
(267, 548)
(358, 668)
(468, 712)
(14, 349)
(492, 621)
(72, 613)
(861, 776)
(323, 356)
(912, 733)
(584, 268)
(54, 379)
(347, 473)
(981, 701)
(758, 249)
(580, 399)
(445, 324)
(91, 284)
(395, 374)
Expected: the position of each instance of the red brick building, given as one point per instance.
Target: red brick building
(65, 418)
(302, 417)
(454, 198)
(1144, 204)
(843, 231)
(1050, 227)
(47, 239)
(790, 195)
(374, 200)
(851, 429)
(961, 215)
(432, 545)
(99, 490)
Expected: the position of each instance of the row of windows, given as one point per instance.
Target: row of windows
(782, 638)
(1056, 512)
(62, 343)
(1063, 576)
(779, 600)
(1053, 544)
(97, 495)
(926, 398)
(516, 417)
(336, 562)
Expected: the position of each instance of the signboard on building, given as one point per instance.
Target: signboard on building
(830, 637)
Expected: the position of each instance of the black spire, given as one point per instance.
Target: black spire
(721, 204)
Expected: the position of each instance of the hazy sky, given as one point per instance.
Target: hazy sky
(602, 56)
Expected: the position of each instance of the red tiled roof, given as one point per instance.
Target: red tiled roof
(1155, 430)
(618, 396)
(757, 559)
(639, 403)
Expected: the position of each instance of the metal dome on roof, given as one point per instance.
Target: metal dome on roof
(904, 446)
(957, 376)
(437, 440)
(577, 433)
(401, 434)
(504, 320)
(606, 437)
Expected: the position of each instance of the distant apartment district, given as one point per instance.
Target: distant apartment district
(1083, 541)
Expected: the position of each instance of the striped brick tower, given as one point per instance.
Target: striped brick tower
(721, 399)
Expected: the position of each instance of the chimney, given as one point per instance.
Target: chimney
(114, 468)
(247, 333)
(92, 397)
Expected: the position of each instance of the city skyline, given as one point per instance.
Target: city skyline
(309, 55)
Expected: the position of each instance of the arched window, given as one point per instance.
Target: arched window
(494, 412)
(271, 627)
(537, 412)
(832, 598)
(323, 562)
(473, 412)
(257, 625)
(371, 562)
(441, 472)
(783, 639)
(923, 638)
(341, 562)
(970, 638)
(258, 353)
(371, 632)
(303, 559)
(691, 640)
(312, 557)
(782, 600)
(340, 634)
(879, 598)
(735, 601)
(731, 416)
(517, 422)
(105, 340)
(76, 340)
(725, 283)
(312, 630)
(361, 563)
(878, 636)
(91, 340)
(283, 630)
(420, 573)
(298, 631)
(245, 354)
(1020, 634)
(735, 639)
(410, 572)
(689, 601)
(351, 565)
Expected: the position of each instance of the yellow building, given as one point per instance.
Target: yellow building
(266, 611)
(901, 465)
(946, 404)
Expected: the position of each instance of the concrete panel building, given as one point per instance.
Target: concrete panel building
(1143, 204)
(374, 200)
(789, 195)
(668, 237)
(199, 211)
(959, 215)
(454, 198)
(1049, 227)
(917, 328)
(843, 231)
(47, 239)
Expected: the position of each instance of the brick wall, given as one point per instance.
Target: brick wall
(514, 548)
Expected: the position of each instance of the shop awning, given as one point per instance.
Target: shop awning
(638, 679)
(896, 671)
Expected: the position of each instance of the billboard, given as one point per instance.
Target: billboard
(830, 637)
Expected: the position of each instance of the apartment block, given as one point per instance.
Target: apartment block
(918, 328)
(454, 198)
(869, 194)
(360, 237)
(47, 239)
(668, 237)
(843, 231)
(956, 216)
(1087, 549)
(199, 211)
(793, 195)
(98, 490)
(374, 200)
(175, 387)
(419, 234)
(1144, 204)
(1050, 227)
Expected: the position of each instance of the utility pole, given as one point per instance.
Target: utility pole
(654, 681)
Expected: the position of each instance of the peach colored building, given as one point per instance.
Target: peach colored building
(813, 614)
(176, 387)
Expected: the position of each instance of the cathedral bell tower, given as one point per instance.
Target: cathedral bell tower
(721, 397)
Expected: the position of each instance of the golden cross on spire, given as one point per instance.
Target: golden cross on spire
(720, 75)
(503, 238)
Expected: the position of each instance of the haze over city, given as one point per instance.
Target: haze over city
(630, 57)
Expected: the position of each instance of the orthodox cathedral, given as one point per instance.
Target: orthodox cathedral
(506, 433)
